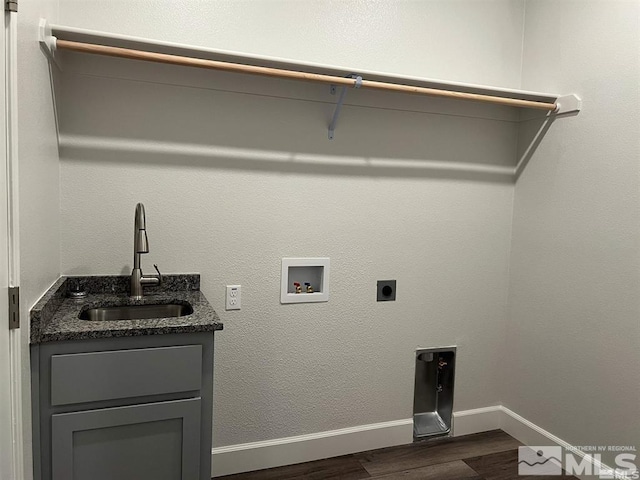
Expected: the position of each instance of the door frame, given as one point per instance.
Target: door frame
(6, 409)
(11, 419)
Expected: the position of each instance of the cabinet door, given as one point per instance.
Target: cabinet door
(155, 441)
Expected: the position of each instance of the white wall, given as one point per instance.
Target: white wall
(233, 182)
(39, 183)
(465, 40)
(574, 361)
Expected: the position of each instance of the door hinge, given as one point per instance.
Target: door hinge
(11, 5)
(14, 307)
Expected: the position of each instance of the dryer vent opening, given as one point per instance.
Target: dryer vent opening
(433, 392)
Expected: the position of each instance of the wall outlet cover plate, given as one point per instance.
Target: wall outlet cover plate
(386, 291)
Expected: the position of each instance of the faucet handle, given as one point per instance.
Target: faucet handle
(159, 274)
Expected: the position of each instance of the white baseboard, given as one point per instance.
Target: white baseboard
(531, 434)
(305, 448)
(527, 432)
(477, 420)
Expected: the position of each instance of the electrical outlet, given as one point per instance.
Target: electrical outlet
(233, 297)
(386, 291)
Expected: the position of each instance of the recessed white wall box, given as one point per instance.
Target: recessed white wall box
(312, 271)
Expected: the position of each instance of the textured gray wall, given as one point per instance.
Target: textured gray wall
(574, 362)
(39, 194)
(233, 182)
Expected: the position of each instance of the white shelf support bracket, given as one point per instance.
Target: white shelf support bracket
(567, 104)
(47, 41)
(343, 94)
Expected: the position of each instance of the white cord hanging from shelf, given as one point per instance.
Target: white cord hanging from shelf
(554, 104)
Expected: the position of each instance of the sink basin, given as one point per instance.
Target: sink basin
(134, 312)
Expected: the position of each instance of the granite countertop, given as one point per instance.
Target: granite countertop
(56, 316)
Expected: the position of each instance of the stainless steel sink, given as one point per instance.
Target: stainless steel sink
(134, 312)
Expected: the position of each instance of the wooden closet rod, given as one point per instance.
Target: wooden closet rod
(292, 74)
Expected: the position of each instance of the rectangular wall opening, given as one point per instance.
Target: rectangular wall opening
(433, 392)
(304, 280)
(303, 275)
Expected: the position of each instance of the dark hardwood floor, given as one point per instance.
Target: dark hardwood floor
(483, 456)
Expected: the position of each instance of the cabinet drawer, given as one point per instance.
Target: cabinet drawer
(96, 376)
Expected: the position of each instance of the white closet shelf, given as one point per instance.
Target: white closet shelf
(58, 37)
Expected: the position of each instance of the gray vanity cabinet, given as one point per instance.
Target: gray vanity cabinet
(123, 408)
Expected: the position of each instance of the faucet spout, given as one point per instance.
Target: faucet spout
(140, 239)
(140, 246)
(140, 217)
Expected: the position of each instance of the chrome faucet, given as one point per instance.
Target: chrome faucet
(140, 246)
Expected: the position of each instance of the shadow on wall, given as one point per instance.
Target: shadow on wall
(114, 110)
(114, 151)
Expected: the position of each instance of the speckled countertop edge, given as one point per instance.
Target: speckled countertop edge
(46, 307)
(55, 317)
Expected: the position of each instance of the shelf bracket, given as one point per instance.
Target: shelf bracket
(343, 94)
(47, 41)
(567, 104)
